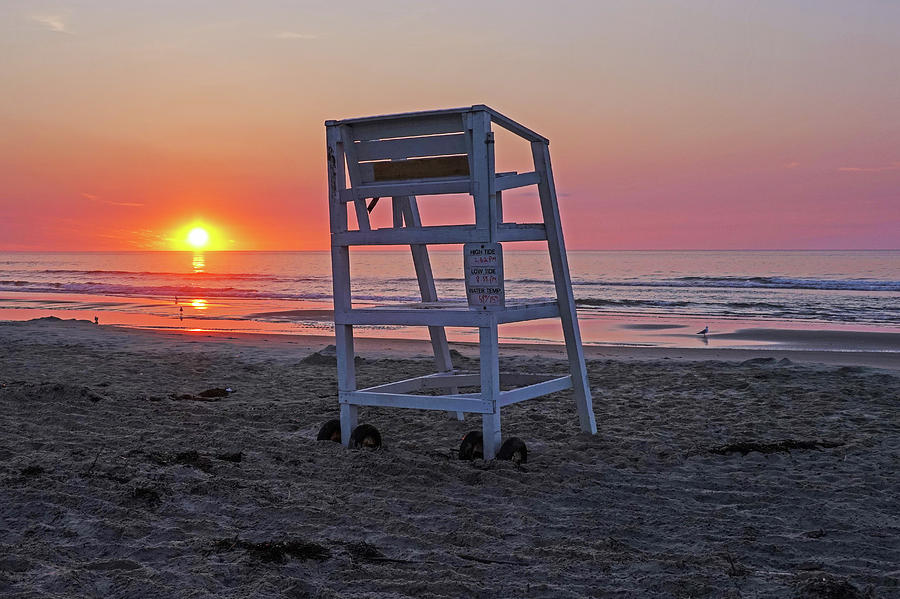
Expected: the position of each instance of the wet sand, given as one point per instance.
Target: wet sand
(113, 487)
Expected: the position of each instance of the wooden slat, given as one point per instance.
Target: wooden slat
(412, 147)
(521, 232)
(435, 235)
(517, 379)
(429, 381)
(513, 181)
(388, 128)
(512, 126)
(459, 318)
(536, 390)
(420, 187)
(528, 312)
(421, 168)
(458, 403)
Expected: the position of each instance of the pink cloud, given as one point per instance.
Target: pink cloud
(870, 169)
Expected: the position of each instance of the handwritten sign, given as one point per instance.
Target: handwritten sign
(483, 263)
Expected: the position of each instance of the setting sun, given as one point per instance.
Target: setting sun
(198, 237)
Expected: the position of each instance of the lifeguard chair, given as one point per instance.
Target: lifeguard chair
(404, 157)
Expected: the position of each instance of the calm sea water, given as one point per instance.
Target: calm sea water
(241, 290)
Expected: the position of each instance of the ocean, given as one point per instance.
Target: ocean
(623, 297)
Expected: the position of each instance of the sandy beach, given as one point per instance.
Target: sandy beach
(715, 473)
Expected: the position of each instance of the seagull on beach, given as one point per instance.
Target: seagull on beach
(704, 331)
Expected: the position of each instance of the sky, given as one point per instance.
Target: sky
(772, 124)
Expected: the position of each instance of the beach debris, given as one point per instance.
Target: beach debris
(514, 450)
(147, 495)
(485, 560)
(276, 551)
(215, 392)
(745, 447)
(735, 569)
(326, 356)
(330, 431)
(365, 435)
(472, 447)
(96, 457)
(758, 362)
(33, 470)
(112, 564)
(235, 456)
(365, 551)
(815, 534)
(820, 585)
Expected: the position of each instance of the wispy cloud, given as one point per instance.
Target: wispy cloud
(870, 169)
(55, 23)
(792, 165)
(99, 200)
(294, 35)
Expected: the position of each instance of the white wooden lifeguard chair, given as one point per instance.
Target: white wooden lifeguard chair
(406, 156)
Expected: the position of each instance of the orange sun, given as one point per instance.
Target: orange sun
(198, 237)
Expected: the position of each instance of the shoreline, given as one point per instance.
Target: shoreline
(843, 353)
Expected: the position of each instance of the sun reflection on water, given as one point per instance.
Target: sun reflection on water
(199, 304)
(199, 262)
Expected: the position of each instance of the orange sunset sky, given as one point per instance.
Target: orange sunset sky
(693, 124)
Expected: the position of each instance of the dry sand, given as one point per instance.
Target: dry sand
(111, 488)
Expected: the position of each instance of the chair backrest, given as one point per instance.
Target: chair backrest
(397, 149)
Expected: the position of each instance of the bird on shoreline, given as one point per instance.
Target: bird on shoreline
(704, 331)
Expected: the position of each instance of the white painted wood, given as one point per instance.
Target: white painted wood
(518, 378)
(417, 187)
(399, 126)
(444, 403)
(430, 140)
(404, 115)
(362, 215)
(416, 318)
(489, 366)
(337, 209)
(346, 378)
(448, 314)
(359, 204)
(535, 390)
(396, 213)
(523, 312)
(429, 381)
(518, 180)
(560, 265)
(340, 267)
(481, 170)
(411, 147)
(404, 236)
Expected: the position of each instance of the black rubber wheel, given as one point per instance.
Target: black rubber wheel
(472, 446)
(330, 431)
(365, 435)
(514, 450)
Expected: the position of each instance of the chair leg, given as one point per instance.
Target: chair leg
(563, 283)
(346, 367)
(490, 389)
